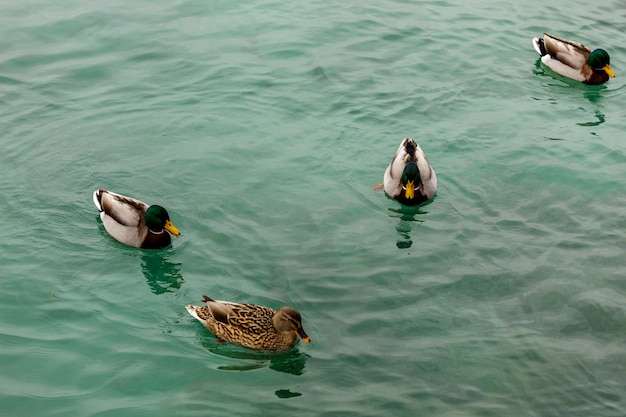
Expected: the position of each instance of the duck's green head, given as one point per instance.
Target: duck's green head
(157, 219)
(410, 177)
(599, 60)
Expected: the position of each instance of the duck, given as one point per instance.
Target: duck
(409, 178)
(250, 325)
(574, 60)
(133, 222)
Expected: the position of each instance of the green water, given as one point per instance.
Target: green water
(262, 127)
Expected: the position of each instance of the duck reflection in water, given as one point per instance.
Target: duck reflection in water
(407, 217)
(595, 94)
(291, 362)
(161, 274)
(592, 113)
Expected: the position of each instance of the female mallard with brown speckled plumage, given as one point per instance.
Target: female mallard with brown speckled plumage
(409, 178)
(133, 222)
(574, 60)
(250, 325)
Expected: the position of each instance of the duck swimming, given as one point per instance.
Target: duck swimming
(250, 325)
(574, 60)
(133, 222)
(409, 178)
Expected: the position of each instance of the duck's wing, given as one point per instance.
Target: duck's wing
(219, 310)
(124, 210)
(428, 178)
(392, 180)
(572, 54)
(247, 317)
(563, 69)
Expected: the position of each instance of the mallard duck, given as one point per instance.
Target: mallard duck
(133, 222)
(409, 178)
(574, 60)
(250, 325)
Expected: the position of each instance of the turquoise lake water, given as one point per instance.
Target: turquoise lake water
(262, 127)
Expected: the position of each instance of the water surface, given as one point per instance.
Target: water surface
(263, 126)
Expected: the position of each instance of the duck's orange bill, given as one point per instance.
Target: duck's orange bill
(171, 228)
(608, 70)
(305, 337)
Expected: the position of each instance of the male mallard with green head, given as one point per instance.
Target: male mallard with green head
(250, 325)
(409, 178)
(133, 222)
(574, 60)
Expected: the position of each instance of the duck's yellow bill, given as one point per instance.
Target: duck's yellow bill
(608, 70)
(409, 191)
(305, 337)
(171, 228)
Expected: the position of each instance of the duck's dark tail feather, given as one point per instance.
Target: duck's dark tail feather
(539, 46)
(97, 199)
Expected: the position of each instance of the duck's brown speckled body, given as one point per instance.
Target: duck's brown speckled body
(250, 325)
